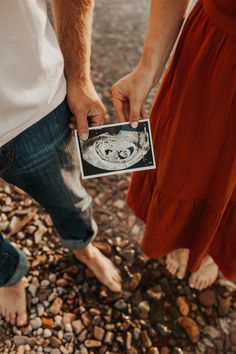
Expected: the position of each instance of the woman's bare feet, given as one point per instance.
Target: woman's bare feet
(101, 266)
(206, 275)
(176, 262)
(13, 304)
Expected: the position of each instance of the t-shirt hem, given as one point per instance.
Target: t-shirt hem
(41, 113)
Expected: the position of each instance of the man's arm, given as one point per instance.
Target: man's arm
(73, 24)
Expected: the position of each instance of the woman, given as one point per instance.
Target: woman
(189, 202)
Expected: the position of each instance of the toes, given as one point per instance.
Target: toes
(21, 319)
(114, 286)
(116, 277)
(181, 272)
(13, 318)
(172, 268)
(7, 316)
(201, 284)
(198, 283)
(205, 284)
(192, 281)
(171, 265)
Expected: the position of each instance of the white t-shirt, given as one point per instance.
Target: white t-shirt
(32, 81)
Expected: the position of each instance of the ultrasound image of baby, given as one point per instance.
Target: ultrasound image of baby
(116, 152)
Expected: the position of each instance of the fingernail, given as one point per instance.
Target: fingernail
(84, 136)
(134, 125)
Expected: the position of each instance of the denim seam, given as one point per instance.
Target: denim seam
(60, 126)
(20, 271)
(9, 160)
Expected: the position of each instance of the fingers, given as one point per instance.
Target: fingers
(119, 103)
(82, 119)
(143, 112)
(96, 116)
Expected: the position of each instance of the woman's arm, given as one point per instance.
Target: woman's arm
(129, 93)
(73, 23)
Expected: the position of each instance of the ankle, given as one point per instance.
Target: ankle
(85, 254)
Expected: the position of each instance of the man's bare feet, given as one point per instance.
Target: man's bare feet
(206, 275)
(101, 266)
(176, 262)
(13, 304)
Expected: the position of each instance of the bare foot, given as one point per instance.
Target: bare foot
(176, 262)
(206, 275)
(101, 266)
(13, 304)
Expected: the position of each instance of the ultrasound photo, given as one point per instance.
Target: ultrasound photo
(116, 148)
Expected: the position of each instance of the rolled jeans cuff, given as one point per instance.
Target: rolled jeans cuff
(79, 244)
(21, 270)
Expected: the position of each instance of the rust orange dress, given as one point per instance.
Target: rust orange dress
(189, 201)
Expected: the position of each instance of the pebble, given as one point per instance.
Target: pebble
(121, 305)
(55, 342)
(68, 327)
(207, 298)
(154, 294)
(77, 326)
(212, 332)
(58, 320)
(233, 336)
(135, 281)
(224, 306)
(92, 343)
(21, 349)
(40, 310)
(23, 340)
(55, 308)
(146, 339)
(47, 333)
(164, 330)
(55, 351)
(190, 327)
(144, 309)
(182, 306)
(108, 338)
(99, 333)
(32, 289)
(153, 350)
(35, 323)
(128, 340)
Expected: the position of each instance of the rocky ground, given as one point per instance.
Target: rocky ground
(69, 311)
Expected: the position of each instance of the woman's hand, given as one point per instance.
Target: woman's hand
(129, 95)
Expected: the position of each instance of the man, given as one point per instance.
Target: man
(37, 152)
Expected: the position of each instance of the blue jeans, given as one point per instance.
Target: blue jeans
(43, 162)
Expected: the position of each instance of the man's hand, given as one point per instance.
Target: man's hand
(129, 95)
(87, 108)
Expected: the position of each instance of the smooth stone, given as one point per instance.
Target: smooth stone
(47, 333)
(36, 323)
(182, 306)
(92, 343)
(190, 327)
(78, 326)
(55, 342)
(55, 308)
(121, 305)
(207, 298)
(98, 333)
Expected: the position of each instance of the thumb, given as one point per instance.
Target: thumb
(82, 125)
(135, 109)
